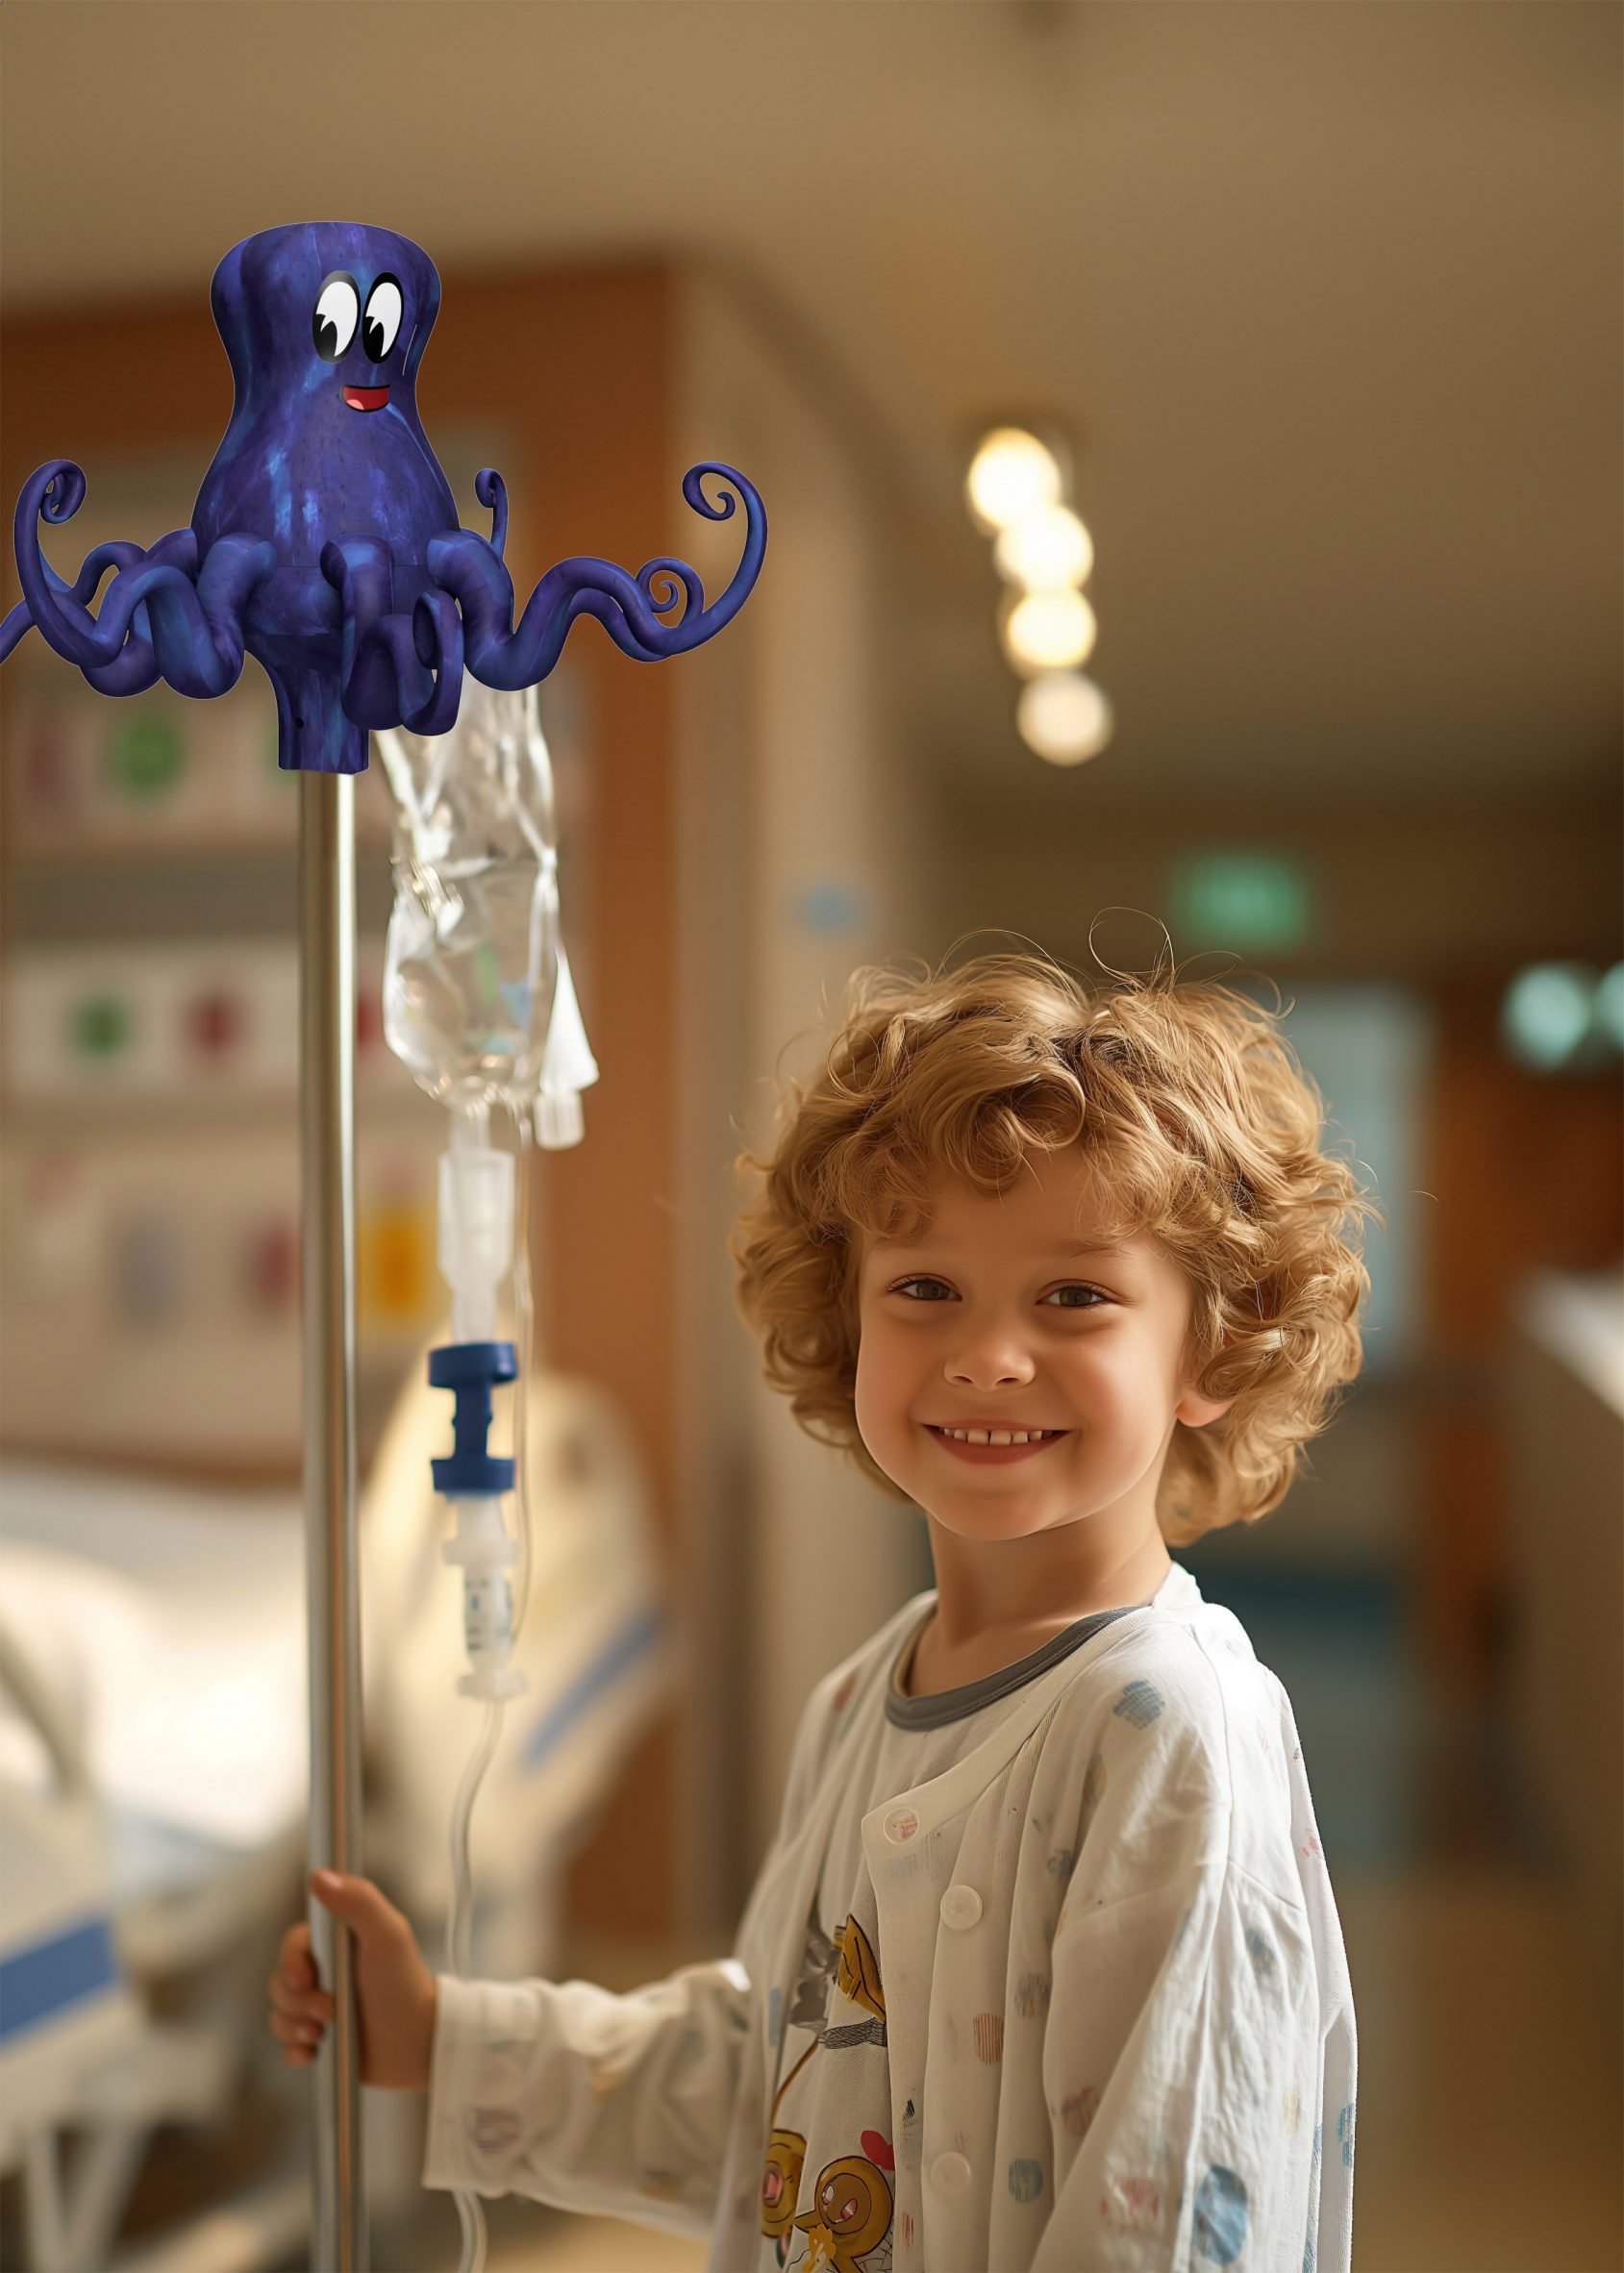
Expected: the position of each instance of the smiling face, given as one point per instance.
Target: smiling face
(983, 1321)
(338, 316)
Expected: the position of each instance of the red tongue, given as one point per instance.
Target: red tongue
(367, 398)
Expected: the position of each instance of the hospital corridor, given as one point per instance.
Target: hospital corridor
(665, 672)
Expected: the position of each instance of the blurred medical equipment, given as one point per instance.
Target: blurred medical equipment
(152, 1781)
(153, 1791)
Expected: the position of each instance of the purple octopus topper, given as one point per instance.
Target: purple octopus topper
(325, 543)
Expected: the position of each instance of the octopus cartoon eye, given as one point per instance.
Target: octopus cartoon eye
(337, 311)
(381, 323)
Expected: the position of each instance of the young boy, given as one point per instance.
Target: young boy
(1042, 1970)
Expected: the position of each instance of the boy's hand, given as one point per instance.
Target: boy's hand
(394, 1990)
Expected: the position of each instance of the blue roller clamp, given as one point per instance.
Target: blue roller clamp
(471, 1369)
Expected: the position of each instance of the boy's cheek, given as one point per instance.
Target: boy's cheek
(881, 1422)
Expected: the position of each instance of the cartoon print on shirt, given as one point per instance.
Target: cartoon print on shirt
(853, 2212)
(852, 2216)
(780, 2182)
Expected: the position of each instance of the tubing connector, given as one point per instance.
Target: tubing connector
(474, 1481)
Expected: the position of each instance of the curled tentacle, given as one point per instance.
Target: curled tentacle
(135, 668)
(54, 494)
(199, 633)
(132, 671)
(492, 491)
(360, 571)
(194, 618)
(627, 607)
(605, 609)
(117, 553)
(436, 631)
(396, 669)
(665, 582)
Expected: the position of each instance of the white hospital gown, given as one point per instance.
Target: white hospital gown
(1042, 1975)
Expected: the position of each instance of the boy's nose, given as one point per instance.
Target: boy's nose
(1001, 1366)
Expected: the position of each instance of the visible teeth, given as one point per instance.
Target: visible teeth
(1000, 1436)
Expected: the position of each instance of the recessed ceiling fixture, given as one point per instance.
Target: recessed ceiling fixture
(1016, 493)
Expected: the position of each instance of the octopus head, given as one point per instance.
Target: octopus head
(325, 312)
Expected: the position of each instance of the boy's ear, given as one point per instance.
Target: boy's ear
(1196, 1410)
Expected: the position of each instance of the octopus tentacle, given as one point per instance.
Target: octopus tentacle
(55, 493)
(492, 491)
(194, 618)
(674, 580)
(360, 571)
(199, 633)
(438, 635)
(396, 669)
(629, 607)
(117, 553)
(135, 667)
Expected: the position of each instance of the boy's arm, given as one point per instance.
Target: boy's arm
(619, 2106)
(568, 2093)
(1183, 2068)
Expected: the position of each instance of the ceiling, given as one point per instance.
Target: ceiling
(1329, 295)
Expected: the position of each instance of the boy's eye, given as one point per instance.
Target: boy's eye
(1075, 1288)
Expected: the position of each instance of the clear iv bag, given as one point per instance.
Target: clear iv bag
(473, 962)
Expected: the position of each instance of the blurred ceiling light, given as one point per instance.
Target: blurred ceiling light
(1049, 630)
(1011, 474)
(1064, 717)
(1547, 1011)
(1045, 549)
(1609, 1005)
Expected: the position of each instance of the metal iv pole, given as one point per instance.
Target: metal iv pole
(327, 1177)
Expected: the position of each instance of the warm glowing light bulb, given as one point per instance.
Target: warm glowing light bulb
(1064, 718)
(1049, 630)
(1011, 474)
(1047, 549)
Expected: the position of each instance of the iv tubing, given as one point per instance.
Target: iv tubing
(459, 1921)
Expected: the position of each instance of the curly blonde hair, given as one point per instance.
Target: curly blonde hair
(1186, 1093)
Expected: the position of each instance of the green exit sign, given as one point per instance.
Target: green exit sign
(1251, 900)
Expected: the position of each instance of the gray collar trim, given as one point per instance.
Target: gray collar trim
(950, 1704)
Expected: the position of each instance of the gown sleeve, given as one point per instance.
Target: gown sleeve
(613, 2104)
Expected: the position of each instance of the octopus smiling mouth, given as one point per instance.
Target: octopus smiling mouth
(367, 398)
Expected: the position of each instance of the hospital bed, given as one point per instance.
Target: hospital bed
(153, 1791)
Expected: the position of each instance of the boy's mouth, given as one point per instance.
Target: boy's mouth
(995, 1455)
